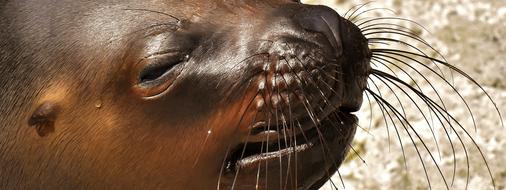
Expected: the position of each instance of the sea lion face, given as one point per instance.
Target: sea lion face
(192, 94)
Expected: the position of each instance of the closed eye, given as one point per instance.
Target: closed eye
(159, 68)
(154, 71)
(157, 73)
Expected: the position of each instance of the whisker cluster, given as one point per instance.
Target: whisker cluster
(407, 72)
(402, 64)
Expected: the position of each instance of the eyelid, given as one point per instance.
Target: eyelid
(154, 88)
(163, 53)
(162, 60)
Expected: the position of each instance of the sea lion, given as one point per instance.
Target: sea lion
(164, 94)
(178, 94)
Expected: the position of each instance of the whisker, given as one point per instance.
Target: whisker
(259, 166)
(423, 115)
(242, 154)
(357, 8)
(406, 122)
(460, 72)
(313, 118)
(439, 109)
(390, 18)
(411, 46)
(383, 111)
(387, 25)
(414, 69)
(395, 95)
(293, 142)
(370, 10)
(279, 138)
(419, 88)
(230, 144)
(384, 52)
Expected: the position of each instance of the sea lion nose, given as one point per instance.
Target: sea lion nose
(322, 19)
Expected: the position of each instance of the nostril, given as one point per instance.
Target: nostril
(324, 20)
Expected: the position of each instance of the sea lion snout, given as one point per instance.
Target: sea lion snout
(308, 82)
(310, 61)
(350, 48)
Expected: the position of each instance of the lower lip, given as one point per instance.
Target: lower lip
(328, 132)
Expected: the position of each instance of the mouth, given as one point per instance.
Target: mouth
(295, 154)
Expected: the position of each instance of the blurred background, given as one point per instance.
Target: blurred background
(470, 34)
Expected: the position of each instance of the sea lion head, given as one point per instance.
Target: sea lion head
(180, 94)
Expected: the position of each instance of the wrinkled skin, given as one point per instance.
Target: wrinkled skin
(123, 123)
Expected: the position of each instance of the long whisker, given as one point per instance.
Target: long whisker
(385, 52)
(420, 111)
(370, 10)
(356, 8)
(385, 111)
(409, 45)
(455, 69)
(327, 102)
(293, 140)
(278, 129)
(242, 154)
(312, 117)
(419, 88)
(439, 109)
(230, 144)
(359, 25)
(405, 122)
